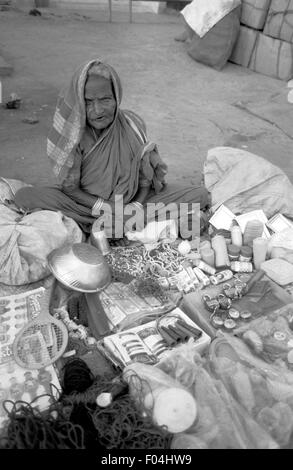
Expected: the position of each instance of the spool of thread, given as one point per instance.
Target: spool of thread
(253, 229)
(233, 252)
(245, 254)
(260, 247)
(205, 244)
(208, 256)
(221, 253)
(236, 234)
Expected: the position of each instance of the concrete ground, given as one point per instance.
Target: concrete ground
(188, 107)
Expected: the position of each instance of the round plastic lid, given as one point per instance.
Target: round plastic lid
(175, 408)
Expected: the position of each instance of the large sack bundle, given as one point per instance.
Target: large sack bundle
(26, 240)
(215, 48)
(244, 46)
(245, 182)
(202, 15)
(272, 57)
(254, 13)
(279, 22)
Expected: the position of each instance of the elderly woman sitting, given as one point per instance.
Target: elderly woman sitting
(100, 154)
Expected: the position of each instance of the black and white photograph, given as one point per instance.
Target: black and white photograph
(146, 229)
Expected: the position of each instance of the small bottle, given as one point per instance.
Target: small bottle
(260, 246)
(221, 254)
(241, 267)
(236, 234)
(245, 254)
(233, 252)
(253, 229)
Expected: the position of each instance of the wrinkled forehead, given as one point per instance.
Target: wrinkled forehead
(98, 87)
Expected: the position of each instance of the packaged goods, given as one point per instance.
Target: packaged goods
(221, 277)
(245, 253)
(236, 234)
(253, 229)
(272, 57)
(221, 253)
(260, 247)
(254, 13)
(233, 252)
(241, 267)
(171, 404)
(244, 47)
(278, 270)
(279, 22)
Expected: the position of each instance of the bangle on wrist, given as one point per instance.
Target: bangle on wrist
(97, 206)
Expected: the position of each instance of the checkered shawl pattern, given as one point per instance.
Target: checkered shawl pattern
(70, 120)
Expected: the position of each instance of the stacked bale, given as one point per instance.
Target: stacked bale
(265, 41)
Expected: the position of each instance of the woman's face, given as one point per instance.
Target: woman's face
(100, 102)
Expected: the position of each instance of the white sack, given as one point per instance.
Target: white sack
(244, 182)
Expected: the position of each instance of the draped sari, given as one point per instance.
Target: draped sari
(119, 159)
(118, 162)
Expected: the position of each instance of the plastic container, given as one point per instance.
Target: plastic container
(260, 248)
(221, 254)
(245, 254)
(233, 252)
(253, 229)
(241, 267)
(236, 234)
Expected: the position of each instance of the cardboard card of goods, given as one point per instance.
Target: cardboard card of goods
(254, 13)
(279, 22)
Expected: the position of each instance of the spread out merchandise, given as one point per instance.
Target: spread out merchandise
(18, 383)
(191, 342)
(149, 342)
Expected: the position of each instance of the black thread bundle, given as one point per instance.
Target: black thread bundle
(75, 421)
(121, 425)
(29, 428)
(77, 376)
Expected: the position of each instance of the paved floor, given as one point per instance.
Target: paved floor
(188, 107)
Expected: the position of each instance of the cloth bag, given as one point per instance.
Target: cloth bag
(202, 15)
(27, 240)
(215, 48)
(244, 182)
